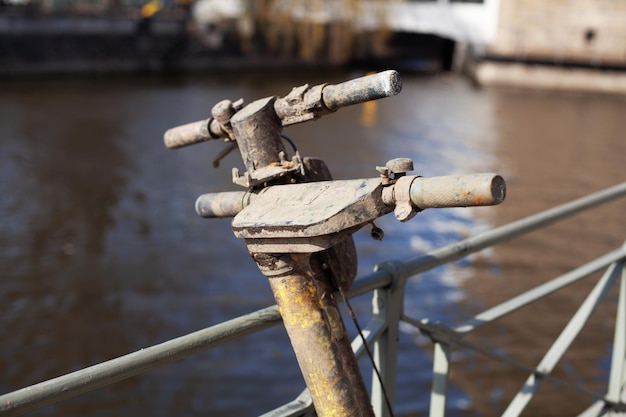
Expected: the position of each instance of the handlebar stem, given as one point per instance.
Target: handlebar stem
(257, 129)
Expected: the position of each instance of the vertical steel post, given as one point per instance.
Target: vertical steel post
(387, 306)
(618, 357)
(441, 371)
(318, 336)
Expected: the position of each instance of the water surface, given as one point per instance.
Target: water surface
(102, 254)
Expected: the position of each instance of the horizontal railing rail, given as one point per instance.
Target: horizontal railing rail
(387, 284)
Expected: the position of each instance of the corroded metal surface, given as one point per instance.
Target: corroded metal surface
(458, 191)
(310, 209)
(302, 104)
(312, 216)
(188, 134)
(373, 87)
(257, 129)
(313, 321)
(227, 204)
(337, 264)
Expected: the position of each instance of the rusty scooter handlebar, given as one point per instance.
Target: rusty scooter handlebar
(470, 190)
(298, 224)
(319, 100)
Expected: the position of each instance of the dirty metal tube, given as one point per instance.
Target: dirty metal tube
(226, 204)
(318, 336)
(371, 87)
(257, 129)
(191, 133)
(458, 191)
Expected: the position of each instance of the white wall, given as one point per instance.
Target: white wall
(473, 23)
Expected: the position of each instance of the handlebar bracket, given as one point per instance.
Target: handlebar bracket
(301, 105)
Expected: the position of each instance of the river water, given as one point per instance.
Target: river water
(102, 254)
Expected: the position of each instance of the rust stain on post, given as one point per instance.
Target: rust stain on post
(319, 339)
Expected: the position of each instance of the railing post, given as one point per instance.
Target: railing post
(616, 378)
(387, 304)
(441, 372)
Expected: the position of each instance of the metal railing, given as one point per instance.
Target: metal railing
(381, 333)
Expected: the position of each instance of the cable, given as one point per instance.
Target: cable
(287, 139)
(367, 349)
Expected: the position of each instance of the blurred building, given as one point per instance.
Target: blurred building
(566, 44)
(418, 35)
(571, 44)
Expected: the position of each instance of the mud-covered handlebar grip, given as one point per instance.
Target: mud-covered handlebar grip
(360, 90)
(458, 191)
(188, 134)
(226, 204)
